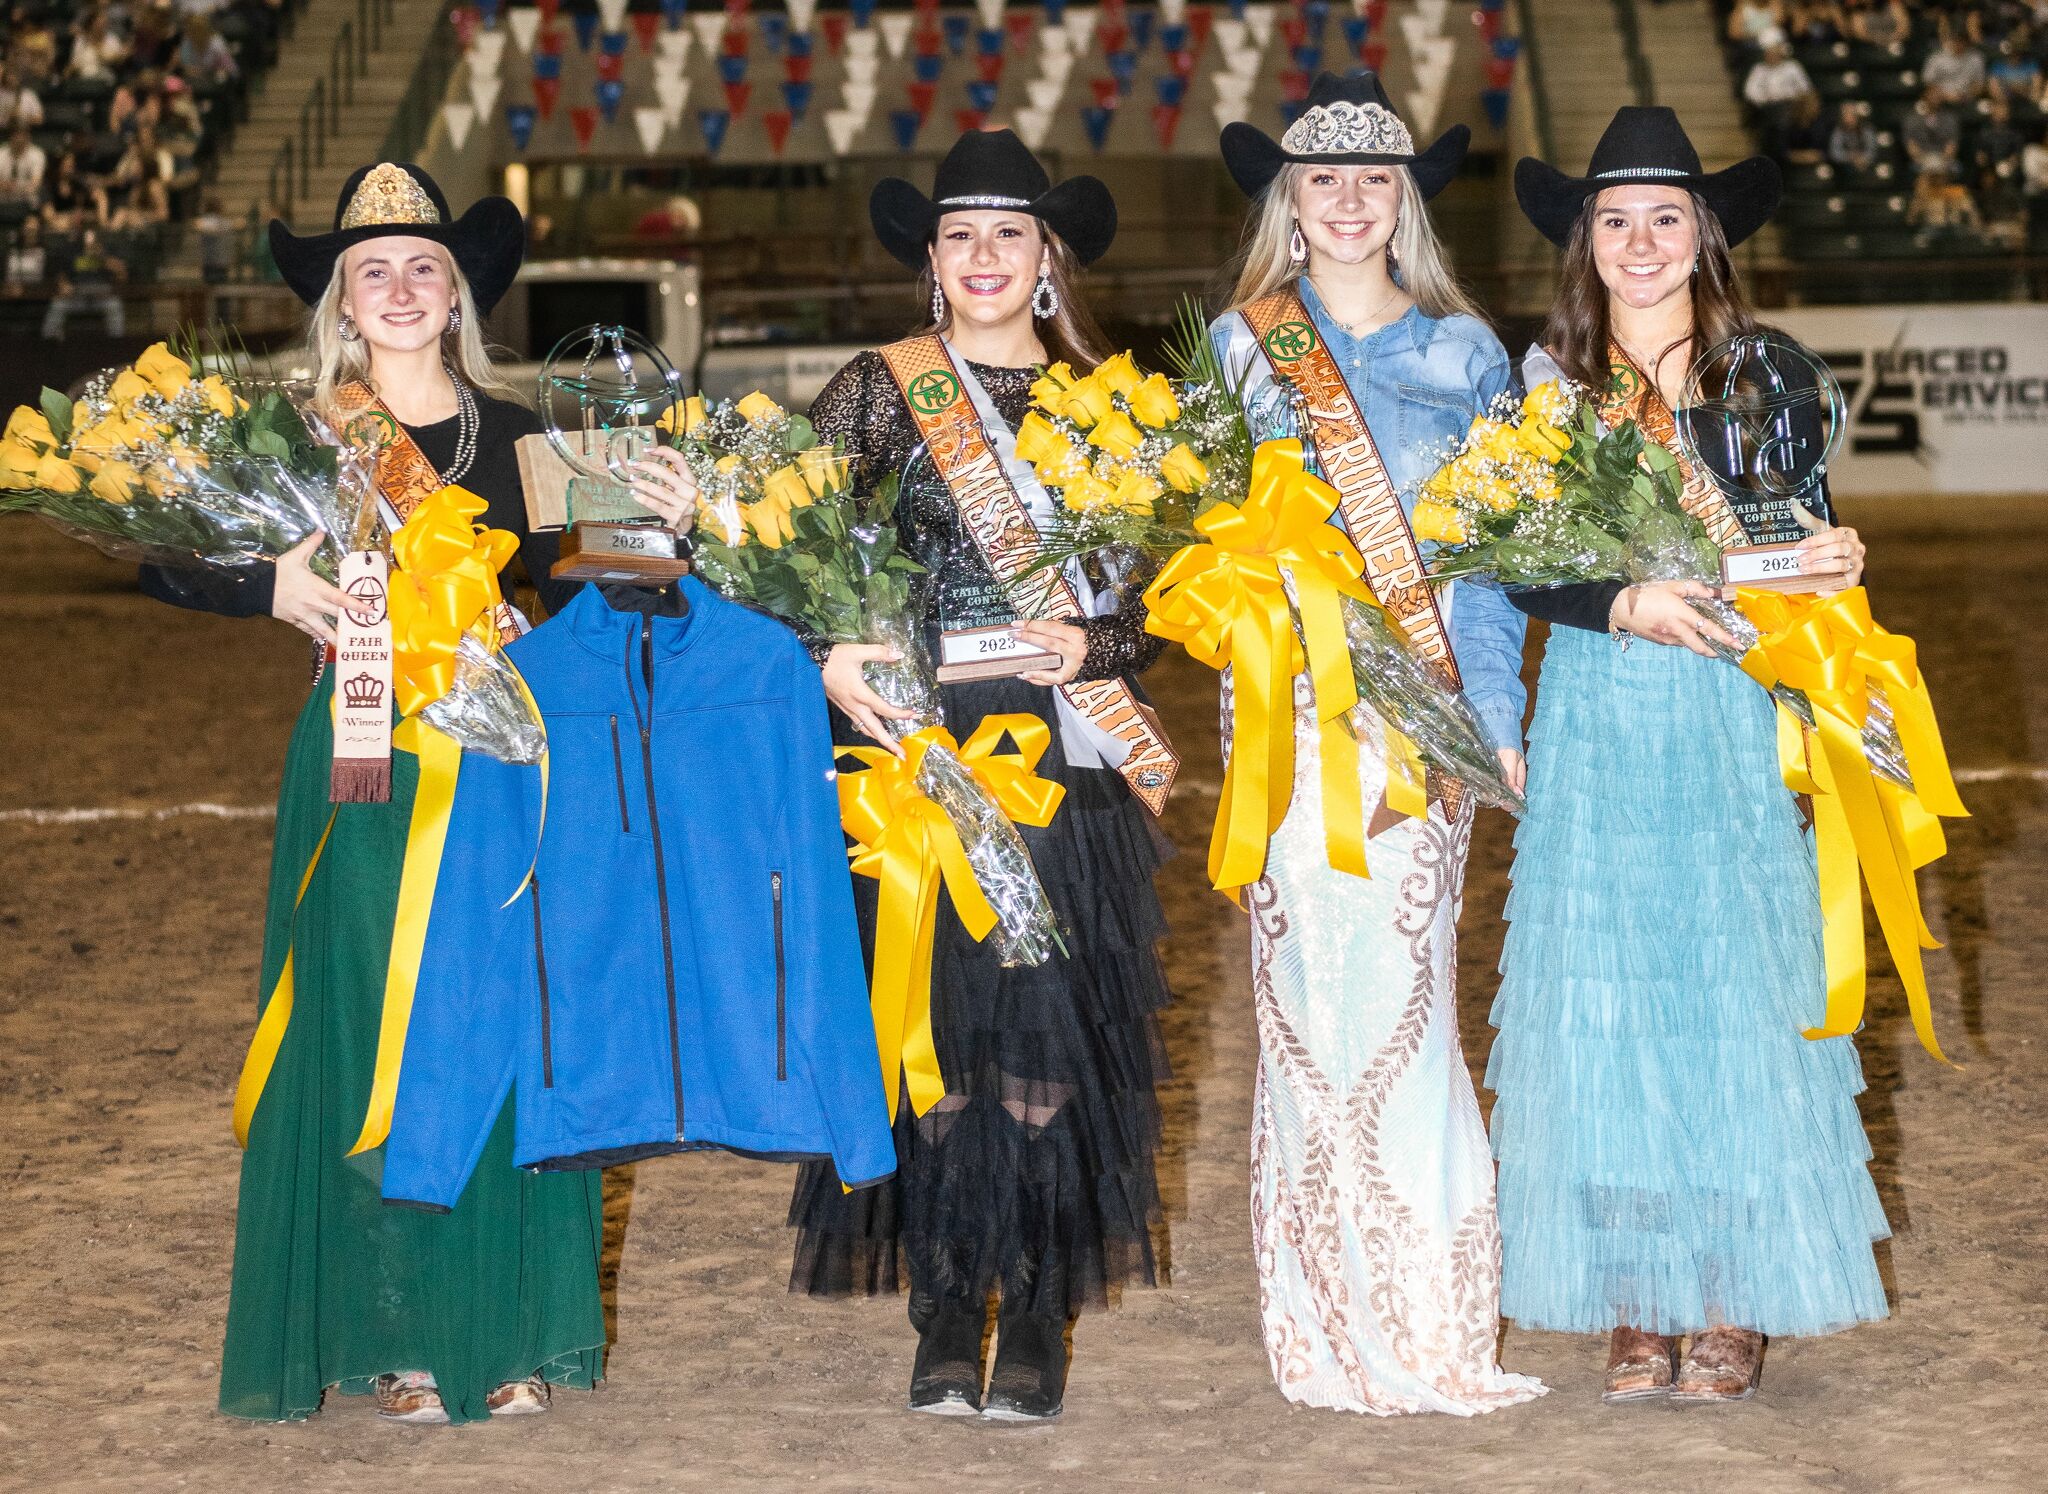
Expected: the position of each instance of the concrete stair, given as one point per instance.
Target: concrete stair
(1682, 45)
(1585, 73)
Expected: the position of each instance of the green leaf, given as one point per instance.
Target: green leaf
(269, 444)
(801, 436)
(57, 410)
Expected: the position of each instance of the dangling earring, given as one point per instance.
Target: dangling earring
(1393, 254)
(1045, 296)
(1695, 261)
(1297, 246)
(454, 320)
(938, 303)
(345, 329)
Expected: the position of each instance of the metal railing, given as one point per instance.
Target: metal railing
(424, 92)
(1642, 82)
(1532, 78)
(304, 147)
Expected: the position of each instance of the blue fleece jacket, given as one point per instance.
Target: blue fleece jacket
(684, 968)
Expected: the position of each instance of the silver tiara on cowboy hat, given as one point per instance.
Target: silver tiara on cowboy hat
(1645, 145)
(1347, 121)
(399, 198)
(992, 169)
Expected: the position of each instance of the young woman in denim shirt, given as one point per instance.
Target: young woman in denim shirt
(1372, 1190)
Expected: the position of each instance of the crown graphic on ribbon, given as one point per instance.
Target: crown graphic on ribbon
(364, 692)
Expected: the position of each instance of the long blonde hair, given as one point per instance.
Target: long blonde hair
(1419, 264)
(338, 361)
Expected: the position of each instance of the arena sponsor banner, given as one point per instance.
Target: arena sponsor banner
(1941, 399)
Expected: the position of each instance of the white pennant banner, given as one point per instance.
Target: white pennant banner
(671, 46)
(1172, 12)
(1258, 19)
(858, 99)
(862, 69)
(1056, 68)
(523, 24)
(1045, 93)
(457, 119)
(862, 43)
(709, 28)
(668, 67)
(483, 94)
(1079, 26)
(1232, 87)
(991, 14)
(674, 93)
(842, 125)
(1228, 113)
(649, 124)
(1033, 126)
(1244, 62)
(486, 52)
(895, 31)
(800, 13)
(612, 13)
(1433, 11)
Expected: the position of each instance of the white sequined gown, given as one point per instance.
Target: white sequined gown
(1372, 1184)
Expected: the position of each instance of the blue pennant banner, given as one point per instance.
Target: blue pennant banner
(1095, 119)
(610, 94)
(519, 120)
(714, 123)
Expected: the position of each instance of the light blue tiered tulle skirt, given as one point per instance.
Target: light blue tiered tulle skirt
(1673, 1153)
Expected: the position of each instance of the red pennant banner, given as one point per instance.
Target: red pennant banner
(1376, 13)
(1293, 85)
(967, 121)
(610, 66)
(583, 120)
(990, 68)
(797, 69)
(928, 40)
(1020, 24)
(1500, 71)
(736, 96)
(1113, 10)
(1375, 54)
(549, 42)
(646, 26)
(548, 10)
(1198, 22)
(738, 7)
(921, 96)
(545, 92)
(924, 7)
(835, 24)
(776, 122)
(466, 19)
(1182, 63)
(1112, 37)
(1106, 93)
(1295, 29)
(1165, 122)
(734, 42)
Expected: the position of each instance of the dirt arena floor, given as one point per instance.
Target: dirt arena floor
(141, 751)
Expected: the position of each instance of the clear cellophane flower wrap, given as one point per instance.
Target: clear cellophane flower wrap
(781, 528)
(1538, 495)
(159, 464)
(1139, 461)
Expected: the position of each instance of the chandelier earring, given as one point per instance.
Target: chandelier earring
(1297, 246)
(346, 329)
(454, 320)
(938, 303)
(1045, 296)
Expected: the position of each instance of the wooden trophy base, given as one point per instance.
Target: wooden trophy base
(640, 554)
(1766, 568)
(989, 653)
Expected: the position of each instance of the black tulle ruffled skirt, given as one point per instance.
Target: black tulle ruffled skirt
(1033, 1176)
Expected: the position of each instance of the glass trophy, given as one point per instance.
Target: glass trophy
(604, 393)
(1761, 418)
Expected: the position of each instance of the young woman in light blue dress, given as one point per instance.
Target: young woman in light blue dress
(1675, 1158)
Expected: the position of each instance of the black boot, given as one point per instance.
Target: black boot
(946, 1377)
(1031, 1367)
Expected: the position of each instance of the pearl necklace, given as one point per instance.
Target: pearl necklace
(467, 423)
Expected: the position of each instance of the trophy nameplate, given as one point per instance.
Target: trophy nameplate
(1761, 417)
(993, 652)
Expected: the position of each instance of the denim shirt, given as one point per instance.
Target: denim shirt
(1419, 381)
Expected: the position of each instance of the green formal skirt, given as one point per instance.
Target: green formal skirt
(331, 1286)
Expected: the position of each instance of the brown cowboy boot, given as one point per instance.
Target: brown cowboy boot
(1638, 1366)
(1721, 1364)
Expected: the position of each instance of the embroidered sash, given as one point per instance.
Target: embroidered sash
(996, 516)
(1632, 395)
(405, 478)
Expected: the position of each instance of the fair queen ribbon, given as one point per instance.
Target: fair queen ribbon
(362, 683)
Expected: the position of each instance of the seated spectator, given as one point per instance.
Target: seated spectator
(219, 243)
(27, 261)
(88, 279)
(32, 48)
(1996, 154)
(1931, 133)
(1955, 69)
(2014, 66)
(1805, 138)
(180, 111)
(1815, 23)
(71, 201)
(1879, 23)
(1939, 202)
(1852, 145)
(19, 103)
(97, 52)
(22, 167)
(1750, 19)
(204, 58)
(1775, 87)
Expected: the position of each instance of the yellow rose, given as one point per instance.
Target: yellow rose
(1497, 495)
(116, 482)
(1544, 442)
(1119, 375)
(167, 372)
(185, 456)
(758, 407)
(55, 475)
(688, 420)
(1437, 521)
(1038, 438)
(1088, 492)
(768, 521)
(1152, 402)
(823, 468)
(786, 486)
(1086, 403)
(18, 462)
(1549, 402)
(1062, 466)
(129, 386)
(1184, 470)
(1116, 435)
(219, 398)
(1544, 488)
(712, 520)
(1137, 492)
(725, 463)
(28, 424)
(1049, 391)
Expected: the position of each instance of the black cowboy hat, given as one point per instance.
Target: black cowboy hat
(1645, 145)
(992, 169)
(1347, 121)
(399, 198)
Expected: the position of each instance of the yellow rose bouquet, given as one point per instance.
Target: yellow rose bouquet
(163, 463)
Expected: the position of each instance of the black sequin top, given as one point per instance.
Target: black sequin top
(863, 408)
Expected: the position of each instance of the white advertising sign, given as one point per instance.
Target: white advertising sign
(1941, 399)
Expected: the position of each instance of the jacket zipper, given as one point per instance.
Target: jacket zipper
(781, 984)
(668, 950)
(619, 777)
(540, 964)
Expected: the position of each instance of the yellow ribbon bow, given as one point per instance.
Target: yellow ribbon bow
(444, 585)
(1867, 829)
(1226, 602)
(907, 842)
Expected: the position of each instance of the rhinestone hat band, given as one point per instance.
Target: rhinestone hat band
(1666, 171)
(388, 198)
(1346, 129)
(983, 202)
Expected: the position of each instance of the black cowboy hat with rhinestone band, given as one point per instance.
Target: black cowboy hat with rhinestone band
(1647, 146)
(992, 169)
(1347, 121)
(398, 198)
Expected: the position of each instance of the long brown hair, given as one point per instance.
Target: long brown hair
(1577, 333)
(1070, 334)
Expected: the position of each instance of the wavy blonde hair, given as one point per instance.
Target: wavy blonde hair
(1420, 266)
(338, 361)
